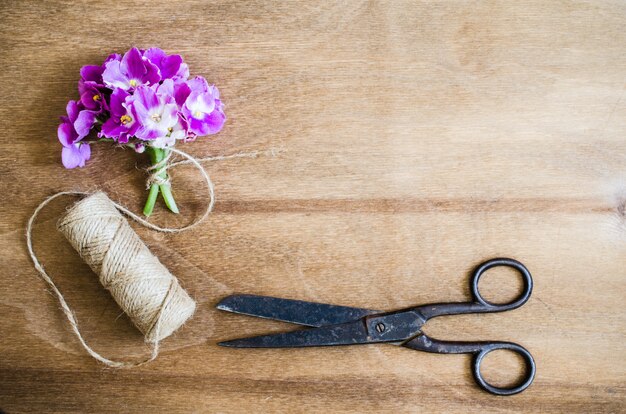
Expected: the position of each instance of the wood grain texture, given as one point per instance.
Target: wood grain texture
(420, 138)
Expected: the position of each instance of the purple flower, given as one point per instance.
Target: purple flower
(93, 73)
(170, 67)
(74, 153)
(177, 131)
(66, 132)
(201, 106)
(92, 96)
(76, 125)
(157, 113)
(122, 124)
(130, 72)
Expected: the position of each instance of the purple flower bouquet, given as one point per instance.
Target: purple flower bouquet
(143, 100)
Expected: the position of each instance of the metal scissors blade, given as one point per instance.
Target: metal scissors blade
(293, 311)
(377, 328)
(342, 334)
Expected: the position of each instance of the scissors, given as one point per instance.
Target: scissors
(341, 325)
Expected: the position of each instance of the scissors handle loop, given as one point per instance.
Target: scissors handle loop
(523, 352)
(480, 350)
(496, 307)
(480, 304)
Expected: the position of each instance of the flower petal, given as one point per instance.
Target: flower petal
(113, 76)
(166, 90)
(66, 134)
(183, 73)
(118, 97)
(84, 122)
(215, 121)
(132, 64)
(149, 132)
(92, 73)
(154, 55)
(198, 84)
(112, 128)
(113, 56)
(181, 93)
(205, 102)
(170, 66)
(152, 75)
(147, 98)
(162, 142)
(198, 126)
(169, 115)
(71, 157)
(72, 109)
(85, 152)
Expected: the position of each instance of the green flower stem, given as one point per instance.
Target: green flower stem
(157, 155)
(166, 192)
(152, 196)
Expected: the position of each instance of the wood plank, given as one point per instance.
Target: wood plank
(417, 138)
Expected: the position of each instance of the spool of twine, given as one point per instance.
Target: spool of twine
(145, 290)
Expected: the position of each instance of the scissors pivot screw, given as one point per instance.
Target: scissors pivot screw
(380, 327)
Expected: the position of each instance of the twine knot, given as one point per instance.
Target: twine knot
(158, 172)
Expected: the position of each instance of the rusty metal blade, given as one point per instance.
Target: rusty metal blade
(293, 311)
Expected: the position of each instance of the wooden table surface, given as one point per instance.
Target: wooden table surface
(418, 139)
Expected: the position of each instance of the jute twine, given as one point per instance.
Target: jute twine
(145, 290)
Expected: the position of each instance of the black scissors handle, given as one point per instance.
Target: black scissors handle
(480, 349)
